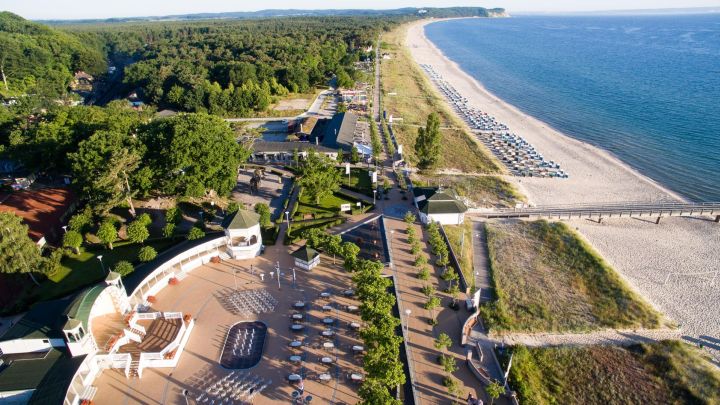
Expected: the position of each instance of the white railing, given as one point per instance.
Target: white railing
(181, 263)
(172, 315)
(132, 336)
(146, 315)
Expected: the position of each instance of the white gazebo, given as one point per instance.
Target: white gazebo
(243, 235)
(306, 258)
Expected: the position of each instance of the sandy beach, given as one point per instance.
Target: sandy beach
(643, 253)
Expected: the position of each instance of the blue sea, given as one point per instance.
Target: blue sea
(645, 88)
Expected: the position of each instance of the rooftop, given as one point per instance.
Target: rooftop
(432, 200)
(338, 132)
(288, 147)
(243, 219)
(305, 253)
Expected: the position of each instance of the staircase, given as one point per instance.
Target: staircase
(134, 365)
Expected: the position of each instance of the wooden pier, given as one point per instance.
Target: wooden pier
(601, 211)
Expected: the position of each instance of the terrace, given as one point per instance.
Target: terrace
(316, 341)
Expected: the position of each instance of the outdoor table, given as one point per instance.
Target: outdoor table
(295, 359)
(326, 360)
(299, 304)
(328, 321)
(327, 333)
(354, 325)
(297, 327)
(325, 295)
(295, 343)
(327, 308)
(356, 377)
(325, 377)
(294, 377)
(328, 345)
(358, 348)
(352, 308)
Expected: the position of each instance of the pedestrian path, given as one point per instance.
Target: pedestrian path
(481, 263)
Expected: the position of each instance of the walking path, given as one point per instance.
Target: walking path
(481, 264)
(617, 337)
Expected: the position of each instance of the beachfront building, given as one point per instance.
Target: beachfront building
(306, 258)
(242, 232)
(54, 352)
(439, 205)
(328, 137)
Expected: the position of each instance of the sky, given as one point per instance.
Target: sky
(79, 9)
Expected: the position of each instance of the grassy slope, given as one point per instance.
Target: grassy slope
(415, 100)
(548, 279)
(660, 373)
(454, 234)
(484, 191)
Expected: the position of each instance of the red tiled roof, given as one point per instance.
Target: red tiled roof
(43, 211)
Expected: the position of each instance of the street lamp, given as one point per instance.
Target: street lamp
(185, 395)
(287, 218)
(277, 267)
(99, 257)
(374, 193)
(64, 227)
(407, 323)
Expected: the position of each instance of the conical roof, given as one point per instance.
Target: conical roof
(242, 219)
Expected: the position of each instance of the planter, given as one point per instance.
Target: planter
(215, 259)
(151, 299)
(187, 318)
(173, 281)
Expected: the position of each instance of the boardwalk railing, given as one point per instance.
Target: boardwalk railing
(627, 209)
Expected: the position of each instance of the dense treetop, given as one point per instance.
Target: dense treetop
(37, 59)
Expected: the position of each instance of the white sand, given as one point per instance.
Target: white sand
(644, 253)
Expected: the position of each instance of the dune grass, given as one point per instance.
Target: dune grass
(547, 279)
(463, 248)
(482, 191)
(668, 372)
(407, 94)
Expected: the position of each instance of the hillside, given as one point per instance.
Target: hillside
(36, 59)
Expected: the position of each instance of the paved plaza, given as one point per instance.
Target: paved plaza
(330, 366)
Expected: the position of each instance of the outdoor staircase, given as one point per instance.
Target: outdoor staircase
(134, 365)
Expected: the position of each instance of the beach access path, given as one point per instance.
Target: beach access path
(682, 251)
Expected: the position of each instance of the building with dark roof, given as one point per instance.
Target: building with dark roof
(306, 258)
(342, 132)
(439, 205)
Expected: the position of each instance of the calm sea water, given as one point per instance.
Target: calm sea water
(646, 88)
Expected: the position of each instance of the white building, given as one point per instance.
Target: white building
(438, 205)
(306, 258)
(242, 233)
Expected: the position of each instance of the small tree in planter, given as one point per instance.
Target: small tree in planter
(420, 261)
(453, 387)
(443, 342)
(424, 274)
(415, 248)
(448, 363)
(409, 218)
(494, 390)
(454, 290)
(431, 305)
(428, 290)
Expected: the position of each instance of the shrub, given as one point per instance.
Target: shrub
(73, 239)
(420, 261)
(195, 233)
(81, 221)
(123, 268)
(144, 219)
(169, 230)
(409, 218)
(137, 231)
(173, 215)
(428, 290)
(264, 211)
(107, 233)
(424, 274)
(448, 363)
(233, 207)
(147, 253)
(415, 248)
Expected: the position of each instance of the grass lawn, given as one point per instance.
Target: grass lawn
(465, 257)
(413, 100)
(547, 279)
(297, 228)
(360, 180)
(84, 269)
(667, 372)
(484, 191)
(328, 206)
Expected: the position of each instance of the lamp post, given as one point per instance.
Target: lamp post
(287, 218)
(64, 227)
(374, 194)
(407, 323)
(277, 267)
(185, 395)
(99, 257)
